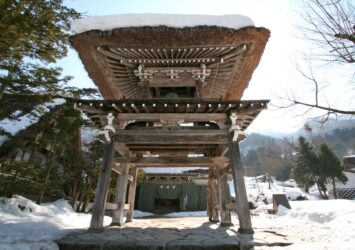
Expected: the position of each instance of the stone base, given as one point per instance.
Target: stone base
(163, 234)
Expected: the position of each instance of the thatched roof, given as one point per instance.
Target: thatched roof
(112, 57)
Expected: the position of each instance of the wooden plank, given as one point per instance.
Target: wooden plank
(120, 199)
(132, 195)
(98, 209)
(245, 226)
(164, 137)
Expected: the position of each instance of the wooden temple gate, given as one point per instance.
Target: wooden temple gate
(162, 133)
(169, 93)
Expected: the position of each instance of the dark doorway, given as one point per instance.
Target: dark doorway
(164, 206)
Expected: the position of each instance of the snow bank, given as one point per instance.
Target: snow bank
(260, 193)
(317, 224)
(26, 225)
(171, 20)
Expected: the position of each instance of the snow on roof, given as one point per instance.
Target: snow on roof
(20, 122)
(171, 20)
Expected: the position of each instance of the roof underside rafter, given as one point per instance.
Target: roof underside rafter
(141, 62)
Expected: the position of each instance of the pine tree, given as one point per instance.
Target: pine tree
(305, 171)
(331, 166)
(33, 35)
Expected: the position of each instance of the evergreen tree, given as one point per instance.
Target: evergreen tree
(306, 168)
(33, 35)
(331, 166)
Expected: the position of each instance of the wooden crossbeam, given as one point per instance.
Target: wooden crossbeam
(114, 206)
(172, 137)
(172, 116)
(172, 161)
(117, 168)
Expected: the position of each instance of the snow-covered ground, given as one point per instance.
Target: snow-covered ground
(310, 224)
(26, 225)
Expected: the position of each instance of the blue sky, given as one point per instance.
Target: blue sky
(276, 74)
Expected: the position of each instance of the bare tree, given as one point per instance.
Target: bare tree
(330, 26)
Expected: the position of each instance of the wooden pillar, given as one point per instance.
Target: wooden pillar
(245, 226)
(198, 93)
(212, 199)
(103, 184)
(224, 198)
(120, 199)
(132, 195)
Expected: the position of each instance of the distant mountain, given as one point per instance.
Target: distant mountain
(339, 135)
(317, 128)
(255, 140)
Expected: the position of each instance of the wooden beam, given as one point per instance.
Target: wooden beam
(114, 206)
(132, 195)
(122, 149)
(173, 137)
(187, 117)
(116, 167)
(166, 82)
(172, 161)
(98, 209)
(91, 109)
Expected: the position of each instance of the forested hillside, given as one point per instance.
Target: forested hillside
(265, 154)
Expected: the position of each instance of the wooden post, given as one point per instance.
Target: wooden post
(245, 226)
(103, 184)
(198, 93)
(120, 199)
(132, 195)
(212, 197)
(224, 198)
